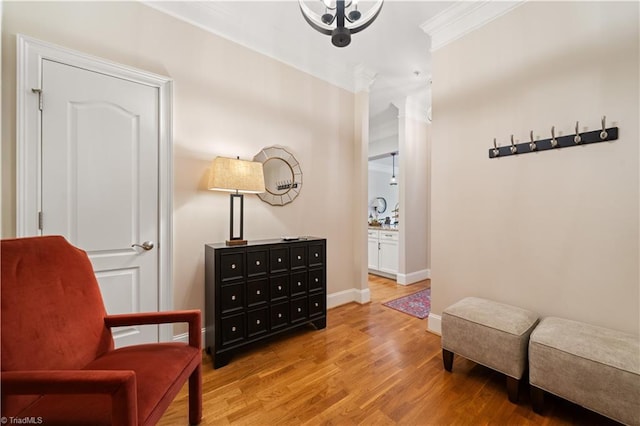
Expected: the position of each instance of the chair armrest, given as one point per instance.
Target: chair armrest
(120, 384)
(192, 317)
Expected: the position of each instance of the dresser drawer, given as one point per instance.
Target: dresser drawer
(256, 263)
(279, 315)
(257, 292)
(389, 235)
(257, 322)
(298, 309)
(298, 283)
(279, 286)
(316, 254)
(316, 304)
(231, 266)
(298, 257)
(316, 279)
(231, 297)
(279, 259)
(232, 330)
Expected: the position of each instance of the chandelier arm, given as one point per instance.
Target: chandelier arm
(368, 21)
(315, 25)
(307, 13)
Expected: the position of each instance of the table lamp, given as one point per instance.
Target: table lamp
(239, 177)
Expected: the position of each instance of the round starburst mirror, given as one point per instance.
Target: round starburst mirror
(282, 176)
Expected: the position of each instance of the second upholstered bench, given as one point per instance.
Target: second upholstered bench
(493, 334)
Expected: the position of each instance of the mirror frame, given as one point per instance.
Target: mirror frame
(295, 185)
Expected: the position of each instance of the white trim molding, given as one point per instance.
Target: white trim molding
(434, 324)
(348, 296)
(463, 18)
(413, 277)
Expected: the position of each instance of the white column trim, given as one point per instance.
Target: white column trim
(363, 78)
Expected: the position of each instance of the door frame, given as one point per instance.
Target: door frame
(31, 52)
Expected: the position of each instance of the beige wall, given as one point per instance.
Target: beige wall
(556, 231)
(228, 101)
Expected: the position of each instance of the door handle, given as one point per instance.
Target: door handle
(147, 245)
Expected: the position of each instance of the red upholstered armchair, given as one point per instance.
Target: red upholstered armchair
(59, 365)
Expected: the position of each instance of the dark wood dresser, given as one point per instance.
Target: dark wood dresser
(260, 289)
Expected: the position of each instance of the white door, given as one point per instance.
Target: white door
(100, 182)
(94, 166)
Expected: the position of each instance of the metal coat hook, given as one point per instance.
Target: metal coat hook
(554, 141)
(577, 138)
(532, 144)
(604, 134)
(496, 151)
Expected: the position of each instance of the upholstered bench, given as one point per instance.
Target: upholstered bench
(489, 333)
(591, 366)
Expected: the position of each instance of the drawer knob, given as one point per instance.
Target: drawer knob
(233, 266)
(299, 257)
(317, 254)
(317, 304)
(279, 260)
(257, 263)
(257, 322)
(299, 284)
(279, 287)
(299, 309)
(233, 328)
(279, 315)
(258, 292)
(317, 280)
(233, 297)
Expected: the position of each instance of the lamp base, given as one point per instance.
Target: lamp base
(236, 242)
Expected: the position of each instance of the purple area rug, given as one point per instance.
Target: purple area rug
(416, 304)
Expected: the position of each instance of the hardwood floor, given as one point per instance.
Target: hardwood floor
(371, 365)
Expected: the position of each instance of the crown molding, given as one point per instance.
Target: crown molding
(464, 17)
(214, 18)
(363, 78)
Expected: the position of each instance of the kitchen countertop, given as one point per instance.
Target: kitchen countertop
(382, 228)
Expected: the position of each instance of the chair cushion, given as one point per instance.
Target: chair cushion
(161, 370)
(51, 301)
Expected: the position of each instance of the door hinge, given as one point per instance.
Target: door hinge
(39, 92)
(40, 221)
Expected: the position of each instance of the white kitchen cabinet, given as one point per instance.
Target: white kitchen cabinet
(372, 243)
(383, 251)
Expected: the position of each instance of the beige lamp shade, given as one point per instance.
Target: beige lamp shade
(230, 174)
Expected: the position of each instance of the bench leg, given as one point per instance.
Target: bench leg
(513, 387)
(537, 399)
(447, 359)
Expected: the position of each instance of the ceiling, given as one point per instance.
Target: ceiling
(394, 48)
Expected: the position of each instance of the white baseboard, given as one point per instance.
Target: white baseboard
(348, 296)
(435, 324)
(413, 277)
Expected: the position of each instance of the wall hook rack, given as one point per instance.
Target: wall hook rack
(554, 142)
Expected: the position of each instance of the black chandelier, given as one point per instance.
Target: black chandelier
(338, 20)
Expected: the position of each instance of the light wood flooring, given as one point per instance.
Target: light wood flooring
(371, 366)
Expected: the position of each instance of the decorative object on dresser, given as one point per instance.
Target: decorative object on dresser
(239, 176)
(264, 288)
(282, 176)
